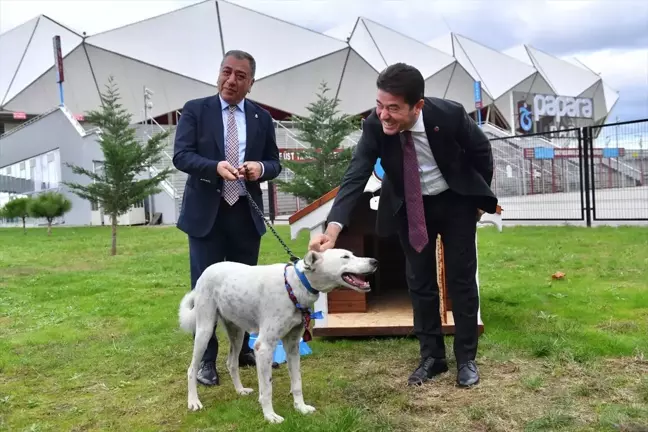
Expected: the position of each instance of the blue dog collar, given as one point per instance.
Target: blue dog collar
(304, 280)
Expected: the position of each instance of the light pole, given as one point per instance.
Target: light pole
(148, 105)
(641, 161)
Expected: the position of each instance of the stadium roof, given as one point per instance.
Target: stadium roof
(291, 63)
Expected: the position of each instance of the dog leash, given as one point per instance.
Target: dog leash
(293, 258)
(307, 314)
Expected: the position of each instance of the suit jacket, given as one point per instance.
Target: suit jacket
(199, 146)
(461, 149)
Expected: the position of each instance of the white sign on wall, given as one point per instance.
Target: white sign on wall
(561, 106)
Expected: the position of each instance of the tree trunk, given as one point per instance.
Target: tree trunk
(24, 225)
(113, 248)
(49, 227)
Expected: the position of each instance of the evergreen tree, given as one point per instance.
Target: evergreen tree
(49, 205)
(116, 187)
(325, 163)
(17, 208)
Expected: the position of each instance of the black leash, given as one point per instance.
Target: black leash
(293, 257)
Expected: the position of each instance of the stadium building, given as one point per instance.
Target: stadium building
(512, 93)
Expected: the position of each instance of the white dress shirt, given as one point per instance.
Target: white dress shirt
(241, 124)
(432, 181)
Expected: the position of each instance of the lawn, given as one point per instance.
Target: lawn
(90, 342)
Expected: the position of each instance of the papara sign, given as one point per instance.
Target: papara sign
(554, 106)
(561, 106)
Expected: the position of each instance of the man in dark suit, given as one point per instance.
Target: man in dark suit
(438, 168)
(220, 139)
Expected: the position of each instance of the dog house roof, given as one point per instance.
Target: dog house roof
(316, 212)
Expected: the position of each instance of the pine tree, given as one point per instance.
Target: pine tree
(116, 187)
(17, 208)
(325, 163)
(49, 205)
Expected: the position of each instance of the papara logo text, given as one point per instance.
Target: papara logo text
(561, 106)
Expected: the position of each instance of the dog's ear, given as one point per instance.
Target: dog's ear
(311, 259)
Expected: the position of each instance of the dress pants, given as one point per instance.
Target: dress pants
(454, 217)
(233, 237)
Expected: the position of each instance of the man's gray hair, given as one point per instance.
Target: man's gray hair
(241, 55)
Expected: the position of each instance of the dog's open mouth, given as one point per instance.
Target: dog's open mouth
(356, 280)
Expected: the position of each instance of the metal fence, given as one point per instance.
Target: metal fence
(618, 171)
(579, 174)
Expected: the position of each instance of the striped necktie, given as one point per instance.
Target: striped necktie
(231, 188)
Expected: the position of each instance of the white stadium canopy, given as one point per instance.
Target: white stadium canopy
(178, 54)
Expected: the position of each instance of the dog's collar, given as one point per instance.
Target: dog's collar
(307, 315)
(304, 280)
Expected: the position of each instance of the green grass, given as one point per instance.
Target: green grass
(90, 342)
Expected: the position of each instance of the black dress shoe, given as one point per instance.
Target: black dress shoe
(248, 359)
(428, 368)
(468, 374)
(207, 374)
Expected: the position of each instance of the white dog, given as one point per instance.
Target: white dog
(257, 299)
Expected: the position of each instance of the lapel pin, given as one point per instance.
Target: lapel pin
(256, 115)
(436, 128)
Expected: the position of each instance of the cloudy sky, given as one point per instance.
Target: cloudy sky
(609, 36)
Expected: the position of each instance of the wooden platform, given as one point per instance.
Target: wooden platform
(386, 316)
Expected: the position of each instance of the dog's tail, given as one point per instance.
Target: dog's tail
(187, 313)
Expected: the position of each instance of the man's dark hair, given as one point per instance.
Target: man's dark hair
(241, 55)
(403, 80)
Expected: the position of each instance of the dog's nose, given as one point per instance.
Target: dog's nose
(373, 262)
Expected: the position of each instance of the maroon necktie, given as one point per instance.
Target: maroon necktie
(418, 235)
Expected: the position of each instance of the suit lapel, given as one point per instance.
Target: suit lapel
(431, 129)
(251, 127)
(215, 123)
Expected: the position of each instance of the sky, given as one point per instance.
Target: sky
(608, 36)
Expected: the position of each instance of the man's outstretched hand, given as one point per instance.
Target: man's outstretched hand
(321, 242)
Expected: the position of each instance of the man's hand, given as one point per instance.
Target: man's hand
(250, 170)
(321, 242)
(227, 171)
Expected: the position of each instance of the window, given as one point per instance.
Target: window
(43, 170)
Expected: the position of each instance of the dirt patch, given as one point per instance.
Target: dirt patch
(22, 271)
(8, 272)
(516, 395)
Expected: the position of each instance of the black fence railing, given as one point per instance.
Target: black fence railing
(619, 171)
(579, 174)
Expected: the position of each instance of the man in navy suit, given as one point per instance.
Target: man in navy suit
(220, 139)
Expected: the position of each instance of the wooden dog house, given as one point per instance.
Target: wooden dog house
(386, 309)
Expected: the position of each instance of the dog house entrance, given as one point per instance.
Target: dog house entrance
(387, 308)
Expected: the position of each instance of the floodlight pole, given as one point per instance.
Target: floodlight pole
(58, 66)
(148, 104)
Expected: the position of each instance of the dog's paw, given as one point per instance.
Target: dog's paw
(194, 404)
(244, 391)
(274, 418)
(305, 409)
